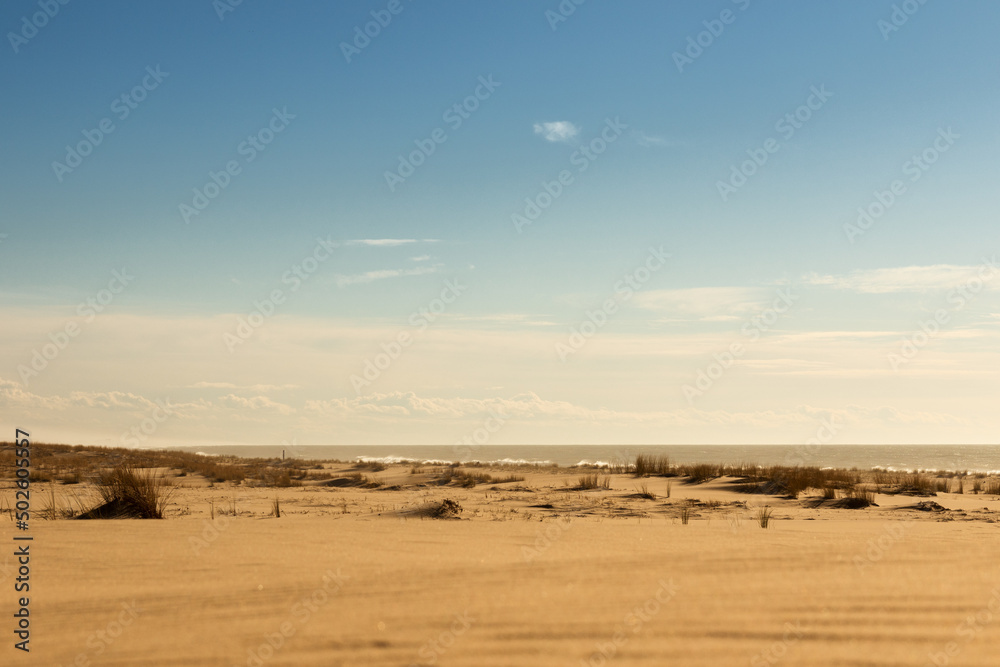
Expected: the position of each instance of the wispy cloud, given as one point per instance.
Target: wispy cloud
(702, 303)
(245, 387)
(506, 319)
(561, 130)
(372, 276)
(255, 404)
(400, 405)
(421, 258)
(387, 242)
(649, 140)
(900, 279)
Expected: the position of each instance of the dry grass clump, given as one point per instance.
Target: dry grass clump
(883, 477)
(468, 479)
(373, 465)
(276, 477)
(908, 484)
(917, 484)
(644, 492)
(130, 492)
(218, 472)
(70, 478)
(862, 496)
(446, 476)
(446, 509)
(764, 516)
(593, 481)
(701, 472)
(685, 515)
(51, 510)
(621, 467)
(742, 469)
(791, 481)
(647, 465)
(918, 481)
(507, 479)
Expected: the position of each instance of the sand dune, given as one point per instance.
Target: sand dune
(600, 578)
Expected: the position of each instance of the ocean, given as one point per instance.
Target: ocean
(972, 458)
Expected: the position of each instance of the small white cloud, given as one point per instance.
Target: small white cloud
(372, 276)
(380, 242)
(649, 140)
(906, 278)
(561, 130)
(383, 243)
(421, 258)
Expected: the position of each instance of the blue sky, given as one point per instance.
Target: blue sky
(856, 298)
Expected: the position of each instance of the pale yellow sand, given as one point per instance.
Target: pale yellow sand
(504, 587)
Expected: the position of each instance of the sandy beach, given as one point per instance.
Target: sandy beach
(531, 572)
(562, 333)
